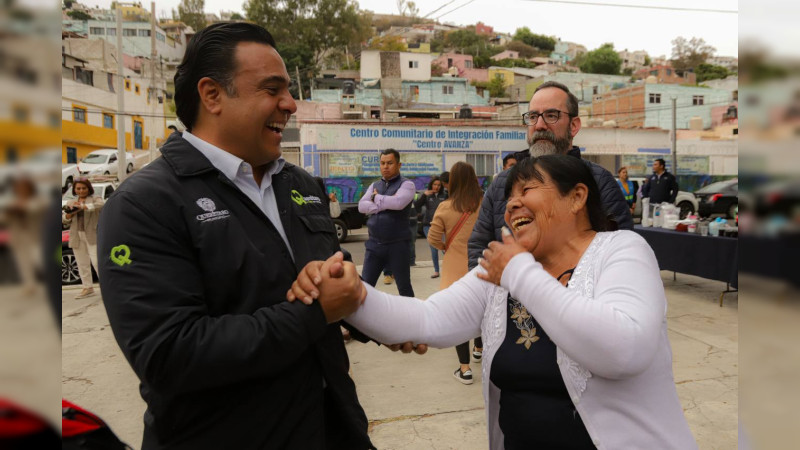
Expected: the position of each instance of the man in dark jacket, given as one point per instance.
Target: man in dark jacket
(197, 251)
(661, 186)
(552, 122)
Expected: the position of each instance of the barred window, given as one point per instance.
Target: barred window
(483, 164)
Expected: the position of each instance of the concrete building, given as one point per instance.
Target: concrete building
(89, 103)
(584, 85)
(633, 60)
(666, 75)
(463, 64)
(515, 75)
(505, 54)
(565, 52)
(649, 105)
(136, 37)
(729, 62)
(376, 64)
(481, 28)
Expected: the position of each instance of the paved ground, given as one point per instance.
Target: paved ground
(412, 401)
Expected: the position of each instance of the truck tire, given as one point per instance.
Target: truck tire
(341, 229)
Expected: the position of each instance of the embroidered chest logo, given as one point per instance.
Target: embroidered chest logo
(304, 200)
(211, 213)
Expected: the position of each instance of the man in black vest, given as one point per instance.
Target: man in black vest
(661, 185)
(388, 203)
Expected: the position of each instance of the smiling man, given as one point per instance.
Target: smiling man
(553, 122)
(197, 251)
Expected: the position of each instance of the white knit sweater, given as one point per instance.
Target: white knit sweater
(609, 327)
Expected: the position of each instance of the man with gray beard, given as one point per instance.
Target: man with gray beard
(553, 122)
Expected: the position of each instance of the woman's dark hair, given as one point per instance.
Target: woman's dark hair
(212, 53)
(434, 178)
(85, 182)
(465, 192)
(566, 172)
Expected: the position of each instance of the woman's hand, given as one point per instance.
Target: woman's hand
(496, 257)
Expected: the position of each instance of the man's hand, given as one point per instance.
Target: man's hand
(407, 347)
(497, 256)
(334, 283)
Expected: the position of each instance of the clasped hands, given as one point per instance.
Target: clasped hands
(335, 284)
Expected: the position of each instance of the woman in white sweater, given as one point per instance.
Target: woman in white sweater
(576, 353)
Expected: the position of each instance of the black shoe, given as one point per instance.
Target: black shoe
(477, 354)
(463, 377)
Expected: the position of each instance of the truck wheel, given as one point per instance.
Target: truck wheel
(129, 169)
(341, 230)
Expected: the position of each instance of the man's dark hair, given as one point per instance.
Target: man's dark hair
(572, 101)
(509, 156)
(445, 177)
(212, 53)
(661, 161)
(391, 151)
(566, 172)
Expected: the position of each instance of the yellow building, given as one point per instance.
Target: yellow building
(505, 74)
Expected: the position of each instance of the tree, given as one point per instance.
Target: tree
(497, 87)
(388, 44)
(508, 62)
(191, 12)
(460, 39)
(686, 55)
(407, 8)
(78, 15)
(647, 61)
(539, 41)
(237, 16)
(437, 69)
(603, 60)
(525, 50)
(706, 71)
(68, 4)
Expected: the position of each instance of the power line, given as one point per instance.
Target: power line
(454, 9)
(618, 5)
(437, 9)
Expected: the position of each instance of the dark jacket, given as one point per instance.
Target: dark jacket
(491, 219)
(430, 203)
(661, 189)
(194, 283)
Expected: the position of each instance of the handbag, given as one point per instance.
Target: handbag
(456, 228)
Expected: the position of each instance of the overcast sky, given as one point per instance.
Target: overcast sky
(651, 30)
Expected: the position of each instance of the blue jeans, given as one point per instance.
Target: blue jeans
(434, 250)
(394, 258)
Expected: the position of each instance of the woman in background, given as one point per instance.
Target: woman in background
(82, 214)
(430, 200)
(454, 219)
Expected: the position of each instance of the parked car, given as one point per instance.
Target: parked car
(350, 219)
(68, 173)
(720, 198)
(69, 266)
(102, 188)
(104, 162)
(686, 201)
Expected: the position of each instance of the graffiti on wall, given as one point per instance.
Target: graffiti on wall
(351, 189)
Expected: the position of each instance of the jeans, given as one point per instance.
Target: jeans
(434, 250)
(393, 257)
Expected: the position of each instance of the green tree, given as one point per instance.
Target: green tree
(388, 44)
(497, 87)
(539, 41)
(78, 15)
(686, 55)
(603, 60)
(191, 12)
(706, 71)
(508, 62)
(237, 16)
(525, 50)
(647, 61)
(461, 39)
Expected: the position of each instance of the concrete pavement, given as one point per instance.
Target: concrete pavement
(412, 401)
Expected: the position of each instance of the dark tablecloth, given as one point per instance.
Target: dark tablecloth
(712, 257)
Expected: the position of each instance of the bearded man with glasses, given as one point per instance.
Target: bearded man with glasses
(552, 121)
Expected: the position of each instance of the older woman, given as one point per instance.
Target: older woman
(576, 353)
(81, 214)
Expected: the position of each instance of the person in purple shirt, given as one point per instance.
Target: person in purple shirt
(388, 203)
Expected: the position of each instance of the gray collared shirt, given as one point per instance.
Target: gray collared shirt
(241, 174)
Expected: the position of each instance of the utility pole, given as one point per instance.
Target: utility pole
(674, 137)
(122, 156)
(152, 91)
(299, 84)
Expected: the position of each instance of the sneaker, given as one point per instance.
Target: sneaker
(477, 354)
(388, 279)
(85, 293)
(463, 377)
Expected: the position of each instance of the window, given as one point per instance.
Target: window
(501, 75)
(413, 64)
(136, 88)
(449, 62)
(669, 72)
(110, 78)
(108, 120)
(655, 98)
(144, 33)
(654, 73)
(483, 164)
(468, 64)
(84, 76)
(111, 31)
(129, 32)
(127, 85)
(697, 100)
(594, 90)
(78, 114)
(447, 89)
(98, 31)
(160, 37)
(414, 92)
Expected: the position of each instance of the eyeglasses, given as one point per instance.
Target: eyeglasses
(550, 116)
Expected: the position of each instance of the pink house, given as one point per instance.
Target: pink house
(461, 66)
(506, 54)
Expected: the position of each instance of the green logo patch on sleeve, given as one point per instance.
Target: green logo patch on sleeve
(120, 255)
